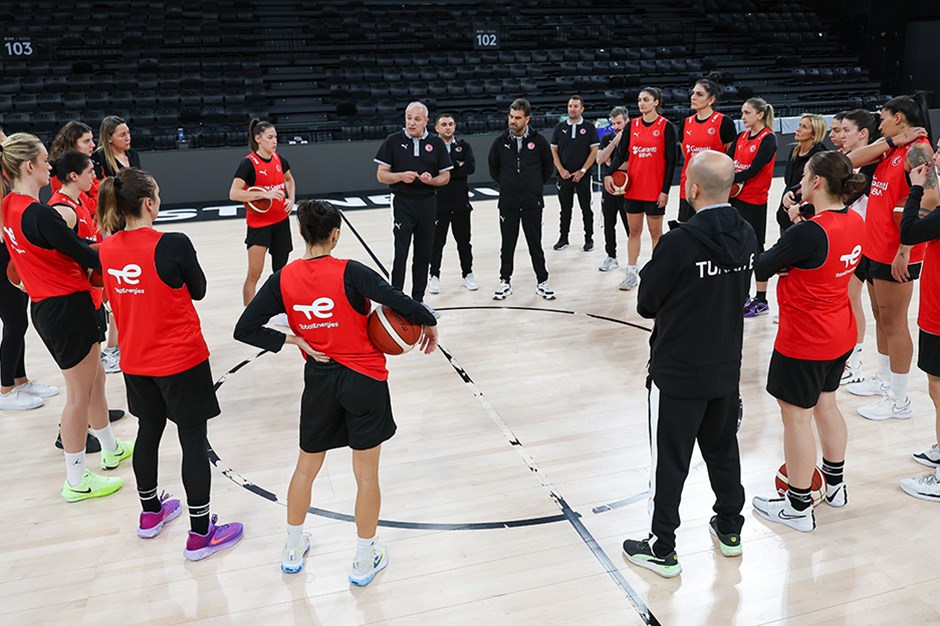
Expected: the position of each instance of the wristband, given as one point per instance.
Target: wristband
(583, 171)
(890, 142)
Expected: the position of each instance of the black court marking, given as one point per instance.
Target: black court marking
(545, 310)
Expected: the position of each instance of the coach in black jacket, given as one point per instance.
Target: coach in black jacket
(693, 287)
(520, 162)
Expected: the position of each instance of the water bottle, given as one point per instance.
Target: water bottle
(180, 136)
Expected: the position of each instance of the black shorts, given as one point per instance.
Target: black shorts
(800, 381)
(185, 398)
(685, 210)
(882, 271)
(636, 207)
(756, 216)
(276, 238)
(101, 317)
(341, 407)
(68, 325)
(928, 353)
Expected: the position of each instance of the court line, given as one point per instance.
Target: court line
(619, 504)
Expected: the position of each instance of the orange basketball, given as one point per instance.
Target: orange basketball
(817, 488)
(736, 189)
(95, 278)
(391, 333)
(620, 181)
(258, 206)
(14, 277)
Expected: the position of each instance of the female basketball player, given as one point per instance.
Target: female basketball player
(706, 129)
(835, 131)
(891, 267)
(150, 276)
(649, 157)
(816, 259)
(268, 232)
(345, 400)
(76, 137)
(754, 154)
(809, 137)
(115, 152)
(52, 260)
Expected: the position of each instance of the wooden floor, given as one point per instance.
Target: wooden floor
(567, 388)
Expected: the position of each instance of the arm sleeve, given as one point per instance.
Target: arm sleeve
(659, 275)
(246, 171)
(177, 265)
(44, 227)
(284, 164)
(915, 230)
(266, 304)
(384, 155)
(594, 139)
(672, 155)
(804, 245)
(727, 132)
(493, 160)
(469, 161)
(766, 152)
(362, 282)
(556, 133)
(548, 163)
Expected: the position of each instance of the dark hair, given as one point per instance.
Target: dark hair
(443, 115)
(66, 139)
(317, 220)
(711, 87)
(914, 109)
(256, 127)
(836, 169)
(121, 195)
(521, 104)
(863, 120)
(618, 110)
(838, 117)
(578, 98)
(657, 95)
(71, 162)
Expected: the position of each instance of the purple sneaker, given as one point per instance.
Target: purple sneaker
(755, 308)
(152, 523)
(218, 538)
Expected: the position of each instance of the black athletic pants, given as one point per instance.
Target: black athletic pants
(13, 303)
(531, 220)
(611, 207)
(566, 192)
(413, 217)
(459, 221)
(675, 425)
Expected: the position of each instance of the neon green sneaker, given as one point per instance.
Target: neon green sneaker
(91, 486)
(639, 553)
(730, 543)
(110, 460)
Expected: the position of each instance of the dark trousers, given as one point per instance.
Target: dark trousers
(413, 217)
(458, 218)
(611, 207)
(566, 192)
(531, 220)
(675, 425)
(13, 304)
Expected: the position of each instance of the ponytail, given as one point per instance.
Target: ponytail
(762, 106)
(120, 196)
(836, 169)
(914, 109)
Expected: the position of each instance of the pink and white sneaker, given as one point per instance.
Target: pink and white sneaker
(218, 538)
(152, 523)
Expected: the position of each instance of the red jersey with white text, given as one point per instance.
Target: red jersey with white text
(756, 188)
(889, 190)
(87, 230)
(269, 175)
(89, 199)
(45, 273)
(697, 138)
(646, 166)
(158, 328)
(816, 319)
(318, 310)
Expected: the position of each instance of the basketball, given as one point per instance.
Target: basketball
(14, 277)
(258, 206)
(391, 333)
(95, 278)
(817, 488)
(736, 189)
(620, 181)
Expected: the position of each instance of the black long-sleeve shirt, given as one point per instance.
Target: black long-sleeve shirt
(177, 265)
(670, 152)
(914, 229)
(45, 228)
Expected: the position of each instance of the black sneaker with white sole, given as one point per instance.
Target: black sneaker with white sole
(92, 444)
(729, 543)
(639, 553)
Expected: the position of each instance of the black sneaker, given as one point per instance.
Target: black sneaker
(92, 444)
(561, 245)
(588, 245)
(729, 543)
(115, 414)
(640, 553)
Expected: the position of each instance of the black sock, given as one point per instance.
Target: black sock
(761, 296)
(199, 518)
(799, 498)
(833, 471)
(149, 500)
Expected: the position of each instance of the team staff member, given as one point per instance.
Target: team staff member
(346, 399)
(574, 150)
(115, 152)
(612, 205)
(693, 288)
(649, 157)
(453, 205)
(891, 266)
(705, 129)
(414, 164)
(754, 154)
(268, 232)
(150, 276)
(816, 259)
(76, 137)
(521, 164)
(809, 136)
(52, 260)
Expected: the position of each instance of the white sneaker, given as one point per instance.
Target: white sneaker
(110, 360)
(886, 408)
(280, 320)
(836, 495)
(470, 283)
(37, 389)
(504, 289)
(927, 487)
(434, 285)
(545, 291)
(780, 511)
(363, 572)
(869, 387)
(631, 280)
(852, 374)
(431, 310)
(930, 458)
(776, 318)
(17, 400)
(292, 559)
(610, 263)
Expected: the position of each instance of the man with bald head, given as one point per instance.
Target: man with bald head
(414, 164)
(693, 288)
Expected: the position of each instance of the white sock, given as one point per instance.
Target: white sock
(899, 386)
(631, 268)
(106, 437)
(74, 467)
(884, 367)
(364, 549)
(294, 534)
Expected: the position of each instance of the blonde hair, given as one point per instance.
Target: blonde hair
(120, 196)
(108, 126)
(17, 149)
(762, 106)
(820, 129)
